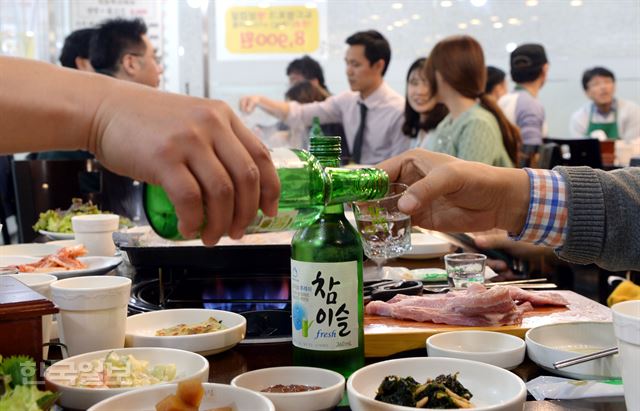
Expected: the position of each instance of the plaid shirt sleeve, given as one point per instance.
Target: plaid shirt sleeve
(547, 217)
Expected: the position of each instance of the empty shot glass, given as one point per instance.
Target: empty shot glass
(465, 268)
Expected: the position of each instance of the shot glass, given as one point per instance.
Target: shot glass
(93, 312)
(384, 229)
(465, 268)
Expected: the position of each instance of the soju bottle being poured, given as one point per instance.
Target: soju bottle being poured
(306, 187)
(326, 284)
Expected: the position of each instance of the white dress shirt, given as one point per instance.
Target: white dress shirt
(383, 137)
(628, 119)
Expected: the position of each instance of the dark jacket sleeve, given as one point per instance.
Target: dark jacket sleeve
(604, 217)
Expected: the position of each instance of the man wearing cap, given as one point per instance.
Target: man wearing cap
(605, 115)
(529, 67)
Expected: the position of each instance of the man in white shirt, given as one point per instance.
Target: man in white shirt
(380, 135)
(605, 115)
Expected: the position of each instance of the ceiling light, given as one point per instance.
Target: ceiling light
(514, 21)
(415, 16)
(475, 22)
(575, 3)
(531, 3)
(396, 6)
(497, 25)
(398, 23)
(511, 46)
(446, 3)
(374, 17)
(462, 26)
(478, 3)
(389, 28)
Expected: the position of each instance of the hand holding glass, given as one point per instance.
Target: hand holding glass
(385, 231)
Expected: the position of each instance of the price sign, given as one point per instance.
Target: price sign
(279, 29)
(251, 30)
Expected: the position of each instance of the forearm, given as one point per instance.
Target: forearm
(45, 107)
(279, 109)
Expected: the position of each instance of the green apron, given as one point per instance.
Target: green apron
(610, 129)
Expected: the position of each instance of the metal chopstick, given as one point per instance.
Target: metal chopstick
(584, 358)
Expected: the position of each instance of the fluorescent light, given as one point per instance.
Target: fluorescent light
(575, 3)
(415, 16)
(531, 3)
(511, 46)
(398, 23)
(462, 26)
(497, 25)
(374, 17)
(514, 21)
(389, 28)
(396, 6)
(478, 3)
(475, 22)
(446, 3)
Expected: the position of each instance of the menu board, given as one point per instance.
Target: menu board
(252, 30)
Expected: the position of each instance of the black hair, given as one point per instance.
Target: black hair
(309, 68)
(376, 47)
(495, 76)
(412, 124)
(76, 45)
(112, 40)
(593, 72)
(527, 62)
(306, 92)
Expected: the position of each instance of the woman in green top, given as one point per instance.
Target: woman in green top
(475, 129)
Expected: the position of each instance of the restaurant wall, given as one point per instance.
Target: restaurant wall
(576, 34)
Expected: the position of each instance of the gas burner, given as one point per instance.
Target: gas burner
(268, 315)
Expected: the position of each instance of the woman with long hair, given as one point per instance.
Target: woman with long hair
(422, 113)
(475, 128)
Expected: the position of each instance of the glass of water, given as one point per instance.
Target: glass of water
(465, 268)
(385, 231)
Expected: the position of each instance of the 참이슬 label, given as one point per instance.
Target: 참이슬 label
(324, 304)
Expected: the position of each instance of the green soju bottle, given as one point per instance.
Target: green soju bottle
(326, 284)
(306, 187)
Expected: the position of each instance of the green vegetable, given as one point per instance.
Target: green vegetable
(59, 221)
(445, 392)
(20, 386)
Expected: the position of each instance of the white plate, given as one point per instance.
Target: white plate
(57, 236)
(97, 265)
(547, 344)
(141, 330)
(35, 249)
(424, 246)
(58, 376)
(215, 396)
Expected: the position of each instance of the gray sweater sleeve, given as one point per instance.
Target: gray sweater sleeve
(604, 217)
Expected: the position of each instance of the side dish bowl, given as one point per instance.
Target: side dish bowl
(325, 398)
(555, 342)
(499, 349)
(215, 396)
(60, 375)
(141, 330)
(493, 388)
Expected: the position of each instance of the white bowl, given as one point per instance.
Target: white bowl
(499, 349)
(141, 330)
(493, 388)
(57, 377)
(215, 396)
(326, 398)
(551, 343)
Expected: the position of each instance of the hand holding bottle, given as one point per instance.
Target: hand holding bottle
(448, 194)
